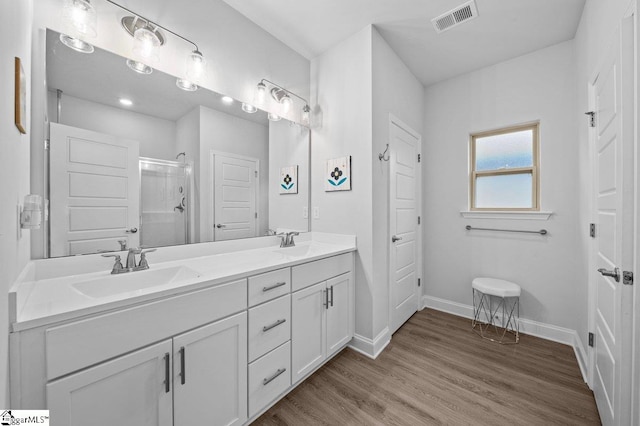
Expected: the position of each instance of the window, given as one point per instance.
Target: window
(504, 169)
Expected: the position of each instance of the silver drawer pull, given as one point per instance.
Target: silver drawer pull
(272, 378)
(276, 285)
(274, 325)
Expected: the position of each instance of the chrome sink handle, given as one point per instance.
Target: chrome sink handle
(143, 259)
(117, 265)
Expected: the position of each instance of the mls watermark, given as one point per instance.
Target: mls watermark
(24, 417)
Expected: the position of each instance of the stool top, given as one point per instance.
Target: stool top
(496, 287)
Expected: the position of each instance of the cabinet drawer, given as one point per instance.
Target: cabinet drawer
(269, 377)
(321, 270)
(269, 326)
(265, 287)
(79, 344)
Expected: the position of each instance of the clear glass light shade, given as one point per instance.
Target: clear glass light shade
(273, 117)
(146, 44)
(139, 67)
(249, 108)
(196, 66)
(261, 93)
(305, 114)
(187, 85)
(227, 100)
(79, 18)
(76, 44)
(286, 103)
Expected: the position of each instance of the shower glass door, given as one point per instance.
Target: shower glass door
(164, 202)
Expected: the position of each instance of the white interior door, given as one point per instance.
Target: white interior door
(612, 97)
(235, 212)
(94, 191)
(404, 204)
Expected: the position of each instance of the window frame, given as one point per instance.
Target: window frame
(534, 169)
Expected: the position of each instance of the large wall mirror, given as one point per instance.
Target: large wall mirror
(136, 161)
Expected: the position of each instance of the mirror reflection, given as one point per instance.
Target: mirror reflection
(135, 160)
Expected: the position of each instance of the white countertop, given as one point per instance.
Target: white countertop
(44, 294)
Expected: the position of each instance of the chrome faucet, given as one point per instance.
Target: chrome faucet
(131, 261)
(286, 238)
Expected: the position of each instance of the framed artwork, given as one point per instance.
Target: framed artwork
(338, 177)
(289, 180)
(20, 98)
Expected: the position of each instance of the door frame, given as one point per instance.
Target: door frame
(394, 120)
(212, 180)
(630, 351)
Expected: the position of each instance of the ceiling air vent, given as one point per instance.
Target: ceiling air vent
(455, 17)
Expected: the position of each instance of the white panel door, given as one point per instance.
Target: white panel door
(94, 191)
(130, 391)
(234, 200)
(612, 99)
(403, 187)
(338, 313)
(210, 374)
(308, 330)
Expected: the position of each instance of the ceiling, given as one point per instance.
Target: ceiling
(504, 29)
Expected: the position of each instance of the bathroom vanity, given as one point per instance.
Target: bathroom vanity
(215, 339)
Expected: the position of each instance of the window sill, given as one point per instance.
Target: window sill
(487, 214)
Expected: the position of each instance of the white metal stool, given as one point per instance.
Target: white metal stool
(502, 313)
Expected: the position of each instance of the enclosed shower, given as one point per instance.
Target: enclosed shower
(165, 197)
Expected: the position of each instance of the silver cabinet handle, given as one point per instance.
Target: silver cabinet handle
(395, 238)
(271, 287)
(220, 225)
(274, 325)
(272, 378)
(331, 296)
(615, 274)
(325, 293)
(131, 231)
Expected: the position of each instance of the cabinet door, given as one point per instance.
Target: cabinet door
(210, 374)
(308, 330)
(339, 313)
(129, 390)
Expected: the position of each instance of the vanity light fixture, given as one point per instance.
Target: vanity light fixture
(126, 102)
(248, 108)
(282, 97)
(79, 20)
(261, 93)
(148, 38)
(273, 117)
(227, 100)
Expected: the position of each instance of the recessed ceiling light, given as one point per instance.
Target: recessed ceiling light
(227, 100)
(126, 102)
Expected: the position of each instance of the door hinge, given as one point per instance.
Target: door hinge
(627, 277)
(255, 172)
(592, 119)
(419, 157)
(47, 144)
(418, 220)
(592, 230)
(418, 282)
(256, 215)
(591, 337)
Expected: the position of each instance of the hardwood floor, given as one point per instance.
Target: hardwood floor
(437, 371)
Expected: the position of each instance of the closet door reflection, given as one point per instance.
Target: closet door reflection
(165, 199)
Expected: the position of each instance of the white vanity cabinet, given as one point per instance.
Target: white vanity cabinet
(321, 314)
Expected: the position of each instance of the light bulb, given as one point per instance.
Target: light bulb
(273, 117)
(76, 44)
(139, 67)
(227, 100)
(79, 18)
(196, 66)
(248, 108)
(286, 103)
(187, 85)
(145, 44)
(261, 92)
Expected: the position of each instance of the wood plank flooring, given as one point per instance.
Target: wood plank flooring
(437, 371)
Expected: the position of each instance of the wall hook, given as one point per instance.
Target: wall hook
(382, 156)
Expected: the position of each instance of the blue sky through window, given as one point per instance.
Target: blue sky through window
(506, 151)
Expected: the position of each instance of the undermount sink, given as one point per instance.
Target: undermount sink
(296, 251)
(134, 281)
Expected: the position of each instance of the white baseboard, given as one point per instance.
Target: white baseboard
(534, 328)
(371, 348)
